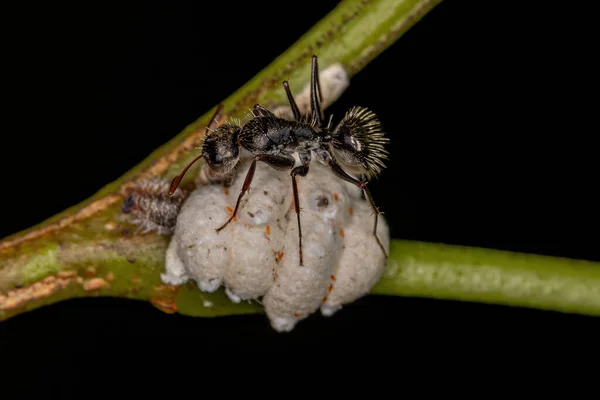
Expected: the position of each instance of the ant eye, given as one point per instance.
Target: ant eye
(218, 159)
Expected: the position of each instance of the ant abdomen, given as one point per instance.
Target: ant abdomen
(358, 142)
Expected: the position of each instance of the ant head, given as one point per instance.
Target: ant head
(358, 142)
(220, 149)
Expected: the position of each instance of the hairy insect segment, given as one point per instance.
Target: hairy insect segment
(149, 206)
(359, 143)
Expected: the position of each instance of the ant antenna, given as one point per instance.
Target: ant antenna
(213, 121)
(175, 182)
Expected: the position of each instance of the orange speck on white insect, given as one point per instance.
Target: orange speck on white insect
(280, 255)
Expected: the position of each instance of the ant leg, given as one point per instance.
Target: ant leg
(301, 170)
(214, 121)
(277, 162)
(362, 177)
(293, 105)
(315, 93)
(339, 172)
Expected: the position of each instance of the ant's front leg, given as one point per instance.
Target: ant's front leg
(339, 172)
(276, 162)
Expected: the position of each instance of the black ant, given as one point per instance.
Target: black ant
(356, 143)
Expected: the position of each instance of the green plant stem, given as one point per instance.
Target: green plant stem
(491, 276)
(90, 250)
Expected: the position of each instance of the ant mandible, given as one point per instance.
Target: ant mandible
(357, 143)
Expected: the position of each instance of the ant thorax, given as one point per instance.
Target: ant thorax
(242, 229)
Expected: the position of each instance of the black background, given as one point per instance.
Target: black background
(488, 105)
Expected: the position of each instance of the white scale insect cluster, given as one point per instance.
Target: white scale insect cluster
(257, 255)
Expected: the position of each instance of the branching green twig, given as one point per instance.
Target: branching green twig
(88, 250)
